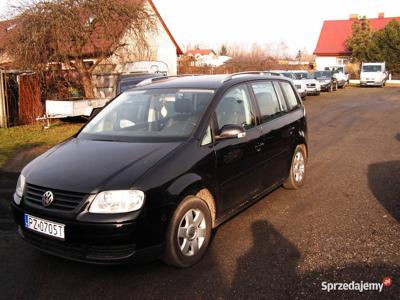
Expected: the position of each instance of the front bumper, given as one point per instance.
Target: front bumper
(98, 243)
(313, 91)
(370, 83)
(325, 86)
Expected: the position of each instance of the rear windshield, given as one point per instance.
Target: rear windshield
(126, 85)
(288, 75)
(372, 68)
(149, 115)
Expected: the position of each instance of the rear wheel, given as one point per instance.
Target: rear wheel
(188, 234)
(297, 169)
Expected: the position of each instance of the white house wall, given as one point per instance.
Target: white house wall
(161, 48)
(323, 62)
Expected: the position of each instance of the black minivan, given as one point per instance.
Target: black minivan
(161, 166)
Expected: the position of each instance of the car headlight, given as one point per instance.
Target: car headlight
(19, 190)
(112, 202)
(327, 81)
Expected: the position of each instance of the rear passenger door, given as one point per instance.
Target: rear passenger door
(276, 131)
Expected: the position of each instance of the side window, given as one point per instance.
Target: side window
(235, 109)
(290, 95)
(207, 138)
(280, 96)
(267, 100)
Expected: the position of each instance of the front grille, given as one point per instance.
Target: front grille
(63, 200)
(84, 252)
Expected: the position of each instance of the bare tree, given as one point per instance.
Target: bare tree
(70, 32)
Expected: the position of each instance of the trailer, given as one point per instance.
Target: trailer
(57, 109)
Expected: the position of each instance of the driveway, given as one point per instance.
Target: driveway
(343, 226)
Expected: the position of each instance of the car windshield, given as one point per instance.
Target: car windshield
(149, 115)
(301, 75)
(322, 74)
(372, 68)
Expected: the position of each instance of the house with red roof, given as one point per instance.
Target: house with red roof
(201, 57)
(331, 47)
(206, 57)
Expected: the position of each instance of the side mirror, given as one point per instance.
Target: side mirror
(231, 132)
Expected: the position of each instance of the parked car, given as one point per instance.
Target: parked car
(373, 74)
(313, 87)
(300, 86)
(129, 81)
(326, 79)
(161, 166)
(341, 75)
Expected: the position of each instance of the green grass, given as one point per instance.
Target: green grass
(29, 136)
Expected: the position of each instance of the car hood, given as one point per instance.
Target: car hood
(89, 166)
(308, 81)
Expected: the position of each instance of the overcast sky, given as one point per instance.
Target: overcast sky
(298, 23)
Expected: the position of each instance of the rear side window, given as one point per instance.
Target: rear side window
(290, 95)
(267, 100)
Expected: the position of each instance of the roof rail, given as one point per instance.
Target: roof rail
(263, 73)
(152, 79)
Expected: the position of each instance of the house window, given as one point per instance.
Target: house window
(342, 61)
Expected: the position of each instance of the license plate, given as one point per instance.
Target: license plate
(44, 226)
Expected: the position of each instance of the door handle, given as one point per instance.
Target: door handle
(259, 146)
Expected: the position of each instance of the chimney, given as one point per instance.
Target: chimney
(353, 16)
(381, 15)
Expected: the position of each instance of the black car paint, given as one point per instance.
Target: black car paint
(128, 81)
(237, 172)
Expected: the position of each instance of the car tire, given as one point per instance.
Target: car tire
(188, 234)
(297, 169)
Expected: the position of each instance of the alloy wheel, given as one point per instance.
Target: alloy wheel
(191, 232)
(298, 167)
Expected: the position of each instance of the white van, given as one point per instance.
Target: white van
(373, 74)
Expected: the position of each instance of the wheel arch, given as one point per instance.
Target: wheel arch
(193, 184)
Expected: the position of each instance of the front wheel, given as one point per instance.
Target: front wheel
(188, 234)
(297, 169)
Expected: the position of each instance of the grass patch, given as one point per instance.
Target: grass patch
(28, 136)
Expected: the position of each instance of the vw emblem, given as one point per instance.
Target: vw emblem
(47, 198)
